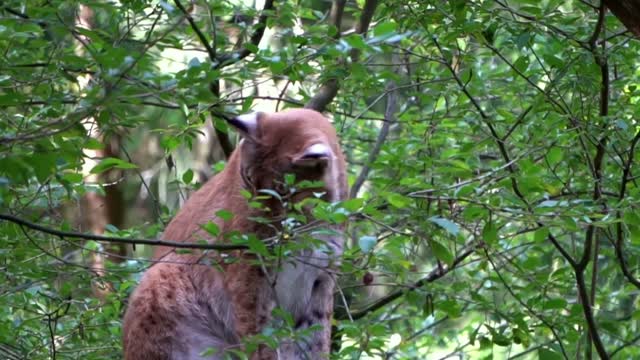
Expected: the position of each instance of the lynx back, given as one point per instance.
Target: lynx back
(184, 305)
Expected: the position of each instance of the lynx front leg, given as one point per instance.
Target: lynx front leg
(312, 316)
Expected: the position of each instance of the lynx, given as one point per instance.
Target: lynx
(184, 306)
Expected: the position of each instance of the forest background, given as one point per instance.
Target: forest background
(492, 150)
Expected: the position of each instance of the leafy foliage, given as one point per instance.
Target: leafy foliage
(497, 215)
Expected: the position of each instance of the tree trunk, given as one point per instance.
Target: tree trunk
(97, 211)
(628, 12)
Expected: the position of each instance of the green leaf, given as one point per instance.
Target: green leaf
(93, 144)
(211, 228)
(398, 201)
(384, 28)
(521, 64)
(289, 179)
(555, 304)
(43, 166)
(548, 354)
(451, 307)
(109, 163)
(541, 234)
(631, 217)
(554, 61)
(498, 338)
(225, 215)
(441, 252)
(634, 234)
(187, 176)
(219, 166)
(245, 194)
(72, 177)
(367, 243)
(490, 233)
(555, 155)
(377, 329)
(111, 228)
(352, 205)
(257, 246)
(451, 227)
(356, 41)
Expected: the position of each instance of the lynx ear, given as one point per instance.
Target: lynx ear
(247, 124)
(314, 155)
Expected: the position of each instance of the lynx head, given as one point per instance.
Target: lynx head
(297, 141)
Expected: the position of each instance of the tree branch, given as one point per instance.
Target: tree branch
(591, 247)
(625, 345)
(203, 39)
(227, 59)
(619, 231)
(588, 315)
(389, 117)
(329, 89)
(17, 13)
(434, 275)
(485, 118)
(627, 12)
(362, 26)
(598, 28)
(232, 58)
(525, 305)
(503, 151)
(75, 235)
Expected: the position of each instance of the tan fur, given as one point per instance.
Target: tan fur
(184, 305)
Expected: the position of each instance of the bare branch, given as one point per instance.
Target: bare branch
(598, 28)
(591, 245)
(329, 89)
(362, 26)
(324, 96)
(335, 16)
(382, 136)
(485, 118)
(75, 235)
(434, 275)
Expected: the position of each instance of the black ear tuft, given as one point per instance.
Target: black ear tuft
(238, 125)
(247, 124)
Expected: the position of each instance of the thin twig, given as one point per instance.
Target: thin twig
(525, 305)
